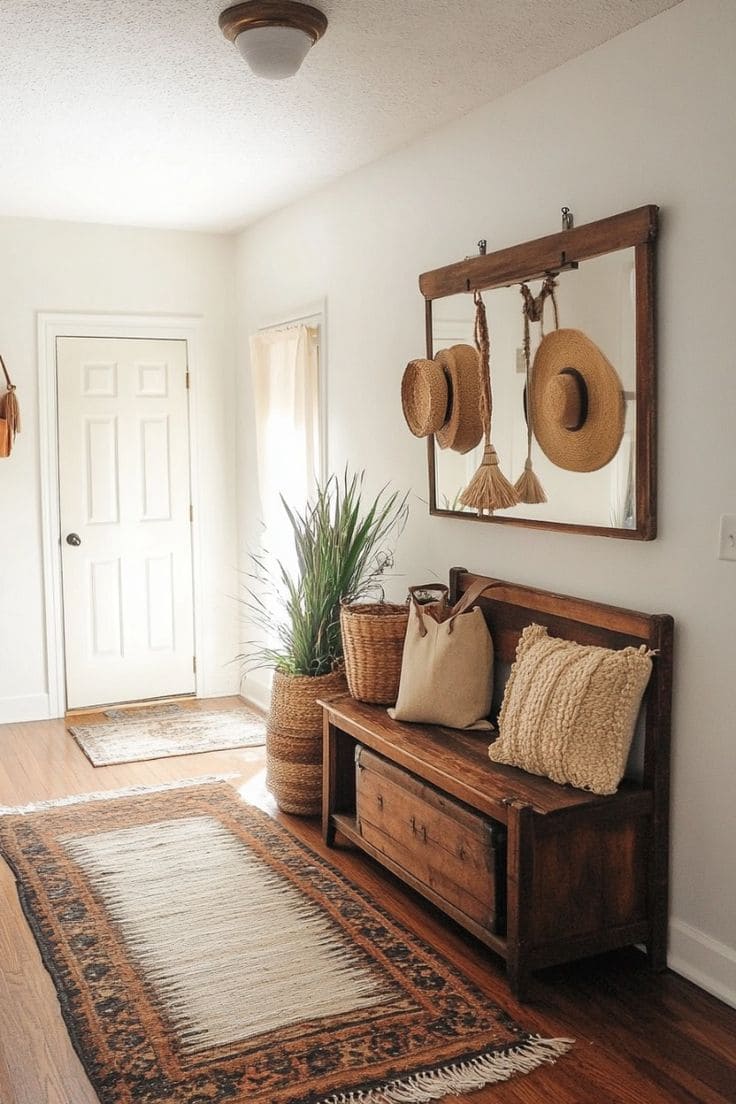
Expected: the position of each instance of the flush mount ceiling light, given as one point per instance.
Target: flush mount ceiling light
(274, 36)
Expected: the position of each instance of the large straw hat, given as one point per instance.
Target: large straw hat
(424, 397)
(577, 402)
(463, 429)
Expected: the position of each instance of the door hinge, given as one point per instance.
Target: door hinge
(191, 512)
(194, 664)
(187, 379)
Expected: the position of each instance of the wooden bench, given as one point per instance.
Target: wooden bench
(541, 873)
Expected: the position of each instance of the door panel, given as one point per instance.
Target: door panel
(124, 490)
(100, 473)
(155, 469)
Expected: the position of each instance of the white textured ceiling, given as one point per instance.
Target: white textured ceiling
(140, 112)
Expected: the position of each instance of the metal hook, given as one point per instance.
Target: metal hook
(482, 250)
(567, 218)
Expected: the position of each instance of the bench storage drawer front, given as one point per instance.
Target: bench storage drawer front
(456, 853)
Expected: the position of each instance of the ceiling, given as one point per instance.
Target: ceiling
(139, 112)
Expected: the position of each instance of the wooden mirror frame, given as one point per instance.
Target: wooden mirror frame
(533, 261)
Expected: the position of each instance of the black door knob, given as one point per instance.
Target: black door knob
(74, 539)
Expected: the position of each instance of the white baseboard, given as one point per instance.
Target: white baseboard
(36, 707)
(256, 688)
(703, 960)
(218, 692)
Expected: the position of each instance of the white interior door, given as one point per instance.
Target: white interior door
(125, 519)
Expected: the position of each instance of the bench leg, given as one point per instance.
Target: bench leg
(656, 953)
(519, 870)
(338, 776)
(518, 979)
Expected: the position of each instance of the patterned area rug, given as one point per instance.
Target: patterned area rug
(184, 732)
(202, 954)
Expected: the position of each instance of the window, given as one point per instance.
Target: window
(285, 372)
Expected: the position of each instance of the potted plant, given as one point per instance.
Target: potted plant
(342, 549)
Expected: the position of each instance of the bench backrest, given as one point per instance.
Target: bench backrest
(509, 608)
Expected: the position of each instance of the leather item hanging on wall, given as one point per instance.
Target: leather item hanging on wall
(9, 415)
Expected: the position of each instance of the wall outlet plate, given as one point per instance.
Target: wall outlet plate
(727, 547)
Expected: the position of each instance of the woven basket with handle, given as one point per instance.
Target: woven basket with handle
(373, 643)
(294, 740)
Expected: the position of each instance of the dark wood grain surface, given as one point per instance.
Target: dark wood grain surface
(534, 259)
(457, 762)
(581, 873)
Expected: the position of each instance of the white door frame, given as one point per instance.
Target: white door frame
(51, 326)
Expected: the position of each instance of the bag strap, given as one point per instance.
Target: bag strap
(468, 600)
(429, 586)
(471, 596)
(444, 592)
(11, 386)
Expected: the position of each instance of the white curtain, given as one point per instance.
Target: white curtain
(285, 374)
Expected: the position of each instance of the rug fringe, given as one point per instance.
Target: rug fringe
(464, 1077)
(105, 795)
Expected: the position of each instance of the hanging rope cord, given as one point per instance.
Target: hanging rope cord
(534, 312)
(11, 386)
(483, 345)
(489, 489)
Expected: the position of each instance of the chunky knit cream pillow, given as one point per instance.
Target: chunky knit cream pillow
(569, 710)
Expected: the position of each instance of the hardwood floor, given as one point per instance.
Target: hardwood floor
(640, 1039)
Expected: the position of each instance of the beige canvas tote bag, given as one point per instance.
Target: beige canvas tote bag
(447, 664)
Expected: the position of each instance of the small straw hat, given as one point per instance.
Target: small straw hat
(425, 397)
(463, 428)
(577, 402)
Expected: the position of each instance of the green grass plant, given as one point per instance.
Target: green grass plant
(343, 547)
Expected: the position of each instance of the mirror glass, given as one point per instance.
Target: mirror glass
(598, 298)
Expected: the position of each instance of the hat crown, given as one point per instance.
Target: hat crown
(566, 395)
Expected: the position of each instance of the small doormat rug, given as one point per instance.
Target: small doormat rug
(138, 712)
(202, 954)
(186, 732)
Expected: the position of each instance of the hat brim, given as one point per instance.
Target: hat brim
(425, 397)
(463, 428)
(595, 443)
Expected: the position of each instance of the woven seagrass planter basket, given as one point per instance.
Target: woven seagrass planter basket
(373, 643)
(294, 740)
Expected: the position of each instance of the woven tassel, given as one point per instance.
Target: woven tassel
(528, 487)
(489, 489)
(11, 412)
(9, 409)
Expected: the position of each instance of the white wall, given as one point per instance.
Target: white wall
(646, 118)
(49, 266)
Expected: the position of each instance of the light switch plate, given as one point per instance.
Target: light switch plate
(727, 547)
